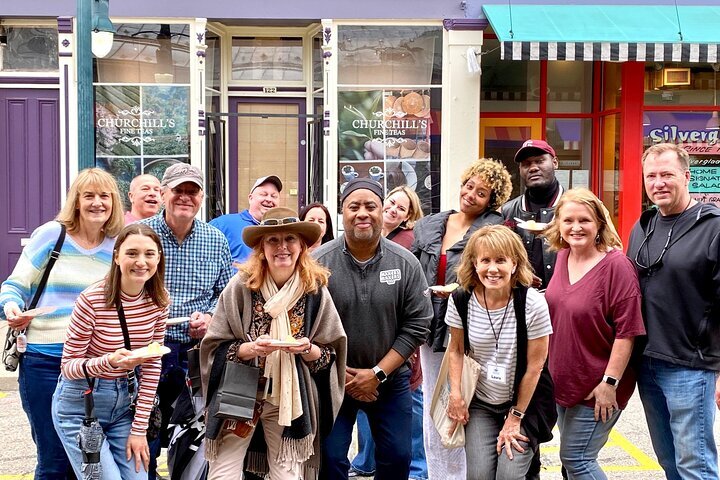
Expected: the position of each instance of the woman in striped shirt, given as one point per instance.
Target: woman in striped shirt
(95, 347)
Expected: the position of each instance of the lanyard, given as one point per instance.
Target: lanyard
(502, 323)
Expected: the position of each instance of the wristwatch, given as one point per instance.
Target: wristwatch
(612, 381)
(517, 413)
(380, 374)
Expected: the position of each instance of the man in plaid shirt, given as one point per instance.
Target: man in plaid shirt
(197, 268)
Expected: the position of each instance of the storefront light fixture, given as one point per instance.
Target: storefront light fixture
(103, 30)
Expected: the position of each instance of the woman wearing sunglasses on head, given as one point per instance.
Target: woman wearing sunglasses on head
(594, 301)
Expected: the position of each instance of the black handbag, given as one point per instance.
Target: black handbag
(10, 354)
(238, 389)
(155, 419)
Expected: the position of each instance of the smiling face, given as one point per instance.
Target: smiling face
(666, 182)
(494, 271)
(281, 250)
(317, 215)
(145, 196)
(474, 196)
(538, 171)
(396, 210)
(262, 199)
(138, 259)
(362, 217)
(578, 226)
(95, 207)
(183, 202)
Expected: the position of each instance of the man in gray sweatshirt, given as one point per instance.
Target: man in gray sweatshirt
(377, 287)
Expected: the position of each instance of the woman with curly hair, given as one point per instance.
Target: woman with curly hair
(275, 313)
(439, 242)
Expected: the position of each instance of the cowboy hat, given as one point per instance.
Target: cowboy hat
(281, 219)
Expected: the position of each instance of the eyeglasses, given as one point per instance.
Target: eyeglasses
(271, 222)
(190, 193)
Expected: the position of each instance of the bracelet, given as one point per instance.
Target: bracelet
(517, 413)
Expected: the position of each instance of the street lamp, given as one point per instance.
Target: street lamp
(102, 28)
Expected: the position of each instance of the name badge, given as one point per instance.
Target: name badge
(497, 373)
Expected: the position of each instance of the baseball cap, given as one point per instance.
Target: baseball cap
(366, 183)
(268, 178)
(533, 147)
(181, 173)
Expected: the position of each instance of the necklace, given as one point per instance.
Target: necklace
(502, 323)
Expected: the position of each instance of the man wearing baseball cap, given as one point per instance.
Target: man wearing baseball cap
(377, 287)
(198, 266)
(264, 195)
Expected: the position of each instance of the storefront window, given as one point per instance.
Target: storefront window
(612, 85)
(213, 60)
(569, 87)
(508, 86)
(317, 62)
(670, 84)
(267, 58)
(690, 130)
(610, 159)
(572, 140)
(30, 49)
(391, 133)
(142, 102)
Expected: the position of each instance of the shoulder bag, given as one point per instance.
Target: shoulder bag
(10, 355)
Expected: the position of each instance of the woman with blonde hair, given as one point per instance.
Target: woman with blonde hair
(439, 242)
(401, 210)
(503, 325)
(276, 312)
(591, 348)
(85, 229)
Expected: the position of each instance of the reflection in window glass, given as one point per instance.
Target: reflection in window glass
(508, 86)
(147, 53)
(569, 87)
(317, 62)
(392, 55)
(267, 58)
(612, 85)
(610, 160)
(571, 138)
(212, 61)
(670, 84)
(29, 49)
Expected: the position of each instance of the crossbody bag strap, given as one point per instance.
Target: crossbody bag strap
(51, 262)
(126, 337)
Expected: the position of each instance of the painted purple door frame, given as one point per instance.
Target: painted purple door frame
(232, 181)
(29, 167)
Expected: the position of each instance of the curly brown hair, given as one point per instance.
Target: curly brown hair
(494, 174)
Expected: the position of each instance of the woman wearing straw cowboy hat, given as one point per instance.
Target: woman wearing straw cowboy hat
(279, 293)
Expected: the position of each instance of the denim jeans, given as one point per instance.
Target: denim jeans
(364, 461)
(680, 408)
(581, 438)
(112, 408)
(390, 418)
(37, 380)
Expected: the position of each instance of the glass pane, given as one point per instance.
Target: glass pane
(506, 85)
(669, 84)
(569, 87)
(392, 55)
(267, 58)
(610, 160)
(317, 63)
(213, 59)
(147, 53)
(29, 49)
(690, 130)
(572, 140)
(612, 85)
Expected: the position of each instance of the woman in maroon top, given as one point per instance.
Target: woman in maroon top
(400, 212)
(594, 301)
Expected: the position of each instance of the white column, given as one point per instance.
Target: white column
(330, 118)
(197, 96)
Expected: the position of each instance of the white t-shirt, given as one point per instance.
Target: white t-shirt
(482, 340)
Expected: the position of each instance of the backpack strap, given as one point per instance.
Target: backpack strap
(520, 303)
(461, 298)
(51, 262)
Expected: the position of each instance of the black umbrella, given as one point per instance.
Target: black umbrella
(90, 440)
(186, 458)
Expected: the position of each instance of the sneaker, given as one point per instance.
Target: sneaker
(357, 473)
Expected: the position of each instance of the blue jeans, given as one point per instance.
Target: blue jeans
(581, 438)
(364, 461)
(37, 380)
(390, 418)
(680, 409)
(112, 408)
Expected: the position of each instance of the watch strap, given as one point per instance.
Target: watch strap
(612, 381)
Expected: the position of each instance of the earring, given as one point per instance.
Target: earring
(597, 239)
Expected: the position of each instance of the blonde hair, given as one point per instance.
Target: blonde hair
(312, 274)
(682, 155)
(607, 235)
(495, 240)
(92, 179)
(415, 213)
(494, 174)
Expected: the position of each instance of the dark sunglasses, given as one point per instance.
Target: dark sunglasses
(271, 222)
(190, 193)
